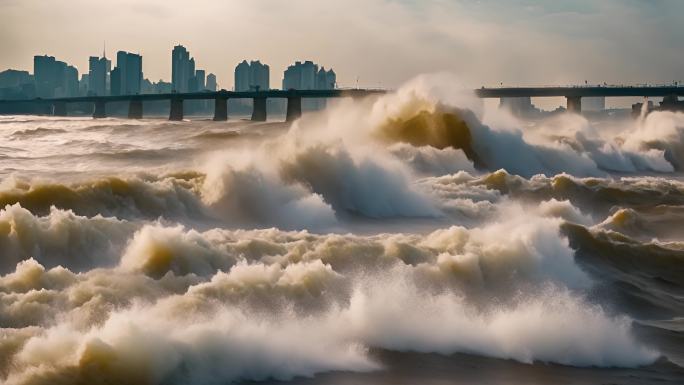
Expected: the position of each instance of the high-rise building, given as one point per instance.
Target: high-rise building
(307, 76)
(70, 81)
(126, 78)
(14, 78)
(134, 75)
(199, 80)
(184, 77)
(17, 85)
(44, 74)
(115, 82)
(99, 69)
(54, 78)
(242, 76)
(252, 76)
(326, 80)
(84, 85)
(180, 68)
(211, 82)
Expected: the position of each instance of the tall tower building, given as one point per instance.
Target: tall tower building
(98, 70)
(126, 78)
(54, 78)
(252, 76)
(211, 82)
(307, 76)
(182, 69)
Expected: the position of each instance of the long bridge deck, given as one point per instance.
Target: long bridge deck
(58, 106)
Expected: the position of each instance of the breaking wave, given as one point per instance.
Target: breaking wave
(297, 304)
(419, 221)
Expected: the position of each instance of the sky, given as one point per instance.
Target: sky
(377, 43)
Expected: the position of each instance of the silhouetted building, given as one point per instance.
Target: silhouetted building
(45, 74)
(99, 69)
(126, 78)
(326, 80)
(307, 76)
(211, 82)
(252, 76)
(84, 85)
(180, 68)
(70, 81)
(184, 76)
(16, 84)
(54, 78)
(198, 80)
(162, 87)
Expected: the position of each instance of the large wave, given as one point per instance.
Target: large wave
(417, 221)
(181, 305)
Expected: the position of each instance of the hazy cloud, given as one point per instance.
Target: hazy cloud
(382, 42)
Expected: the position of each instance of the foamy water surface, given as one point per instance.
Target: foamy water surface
(413, 238)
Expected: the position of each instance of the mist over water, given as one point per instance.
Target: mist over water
(418, 225)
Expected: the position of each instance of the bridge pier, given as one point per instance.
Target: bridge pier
(176, 112)
(574, 104)
(42, 108)
(135, 109)
(220, 109)
(59, 109)
(294, 108)
(100, 110)
(259, 109)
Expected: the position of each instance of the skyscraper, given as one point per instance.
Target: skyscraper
(307, 76)
(70, 81)
(99, 68)
(199, 80)
(44, 70)
(252, 76)
(54, 78)
(134, 74)
(211, 82)
(126, 78)
(184, 77)
(182, 69)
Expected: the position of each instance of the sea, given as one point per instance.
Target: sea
(418, 237)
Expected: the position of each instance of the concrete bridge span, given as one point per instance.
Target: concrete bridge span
(573, 95)
(58, 106)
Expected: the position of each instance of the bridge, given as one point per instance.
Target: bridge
(58, 106)
(574, 95)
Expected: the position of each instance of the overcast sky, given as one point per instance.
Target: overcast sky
(380, 42)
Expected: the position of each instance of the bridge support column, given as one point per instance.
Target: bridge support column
(259, 109)
(100, 110)
(220, 109)
(294, 108)
(43, 108)
(176, 112)
(59, 109)
(135, 109)
(574, 104)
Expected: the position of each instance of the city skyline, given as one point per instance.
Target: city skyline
(471, 39)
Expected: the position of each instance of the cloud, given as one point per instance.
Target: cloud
(382, 42)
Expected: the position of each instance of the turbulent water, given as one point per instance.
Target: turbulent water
(412, 238)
